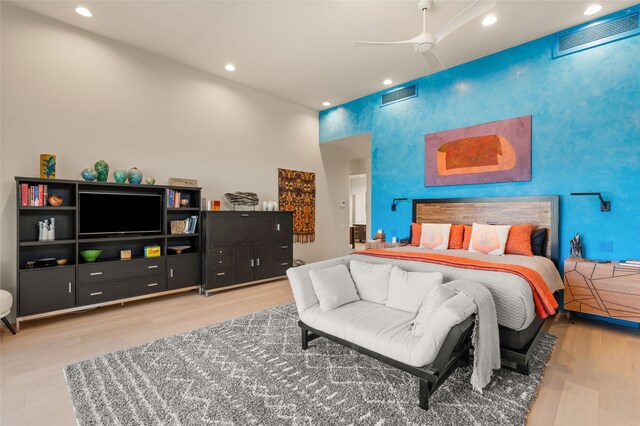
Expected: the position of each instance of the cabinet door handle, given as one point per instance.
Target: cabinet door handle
(171, 273)
(277, 227)
(98, 293)
(221, 274)
(284, 247)
(69, 287)
(252, 263)
(258, 261)
(152, 266)
(152, 285)
(245, 215)
(284, 263)
(95, 273)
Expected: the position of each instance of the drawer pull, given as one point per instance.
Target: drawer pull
(284, 247)
(245, 215)
(220, 251)
(152, 285)
(220, 262)
(98, 293)
(93, 274)
(152, 266)
(221, 274)
(284, 263)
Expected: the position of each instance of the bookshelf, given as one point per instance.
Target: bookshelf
(55, 289)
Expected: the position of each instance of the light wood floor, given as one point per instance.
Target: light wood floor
(593, 377)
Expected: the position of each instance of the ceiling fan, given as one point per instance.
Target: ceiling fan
(424, 42)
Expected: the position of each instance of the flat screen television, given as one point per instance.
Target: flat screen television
(119, 213)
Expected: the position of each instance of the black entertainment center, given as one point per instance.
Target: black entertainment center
(110, 217)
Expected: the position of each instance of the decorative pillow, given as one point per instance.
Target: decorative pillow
(333, 286)
(519, 240)
(372, 280)
(467, 237)
(456, 236)
(538, 242)
(435, 236)
(432, 302)
(489, 239)
(416, 232)
(407, 289)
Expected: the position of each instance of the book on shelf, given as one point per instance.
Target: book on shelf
(33, 195)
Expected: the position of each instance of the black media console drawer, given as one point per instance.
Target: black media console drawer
(284, 251)
(282, 265)
(106, 271)
(220, 262)
(219, 277)
(122, 289)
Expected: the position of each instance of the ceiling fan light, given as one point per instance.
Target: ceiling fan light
(489, 20)
(594, 8)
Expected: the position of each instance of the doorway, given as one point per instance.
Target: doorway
(358, 209)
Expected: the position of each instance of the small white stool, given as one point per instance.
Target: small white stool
(6, 301)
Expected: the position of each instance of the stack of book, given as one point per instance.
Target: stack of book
(635, 263)
(173, 198)
(33, 195)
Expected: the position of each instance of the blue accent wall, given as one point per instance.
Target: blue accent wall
(586, 136)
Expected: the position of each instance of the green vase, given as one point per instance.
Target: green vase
(120, 176)
(102, 169)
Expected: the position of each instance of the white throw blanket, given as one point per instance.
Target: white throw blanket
(485, 338)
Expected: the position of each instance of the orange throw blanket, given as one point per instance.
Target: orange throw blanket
(543, 300)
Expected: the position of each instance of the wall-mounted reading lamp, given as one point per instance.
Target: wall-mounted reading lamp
(395, 203)
(605, 206)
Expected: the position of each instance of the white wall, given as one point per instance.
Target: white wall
(83, 97)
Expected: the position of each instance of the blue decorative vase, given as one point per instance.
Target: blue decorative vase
(120, 176)
(135, 176)
(102, 168)
(89, 175)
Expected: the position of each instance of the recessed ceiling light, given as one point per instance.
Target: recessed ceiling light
(594, 8)
(387, 82)
(230, 67)
(326, 103)
(489, 20)
(84, 12)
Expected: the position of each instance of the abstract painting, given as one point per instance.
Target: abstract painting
(499, 151)
(297, 193)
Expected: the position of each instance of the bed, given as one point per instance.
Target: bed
(519, 324)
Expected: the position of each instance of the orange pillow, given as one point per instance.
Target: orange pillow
(456, 236)
(416, 233)
(519, 240)
(467, 236)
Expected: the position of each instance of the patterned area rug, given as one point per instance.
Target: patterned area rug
(251, 370)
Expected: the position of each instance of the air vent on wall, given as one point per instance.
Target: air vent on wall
(613, 27)
(398, 95)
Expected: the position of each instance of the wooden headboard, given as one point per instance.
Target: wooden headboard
(542, 212)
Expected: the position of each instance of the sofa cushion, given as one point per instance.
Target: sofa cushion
(432, 302)
(301, 286)
(372, 281)
(333, 286)
(452, 312)
(407, 289)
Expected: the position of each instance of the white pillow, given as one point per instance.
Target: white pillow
(489, 239)
(372, 280)
(435, 236)
(333, 286)
(407, 290)
(432, 302)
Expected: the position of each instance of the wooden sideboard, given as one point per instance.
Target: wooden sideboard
(609, 290)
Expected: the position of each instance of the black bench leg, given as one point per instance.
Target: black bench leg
(522, 368)
(425, 392)
(8, 324)
(305, 339)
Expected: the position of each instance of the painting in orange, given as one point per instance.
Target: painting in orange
(499, 151)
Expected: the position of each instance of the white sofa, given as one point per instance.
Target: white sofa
(386, 333)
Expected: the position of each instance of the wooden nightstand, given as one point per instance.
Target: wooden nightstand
(605, 289)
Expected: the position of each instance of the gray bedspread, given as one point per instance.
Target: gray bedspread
(512, 294)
